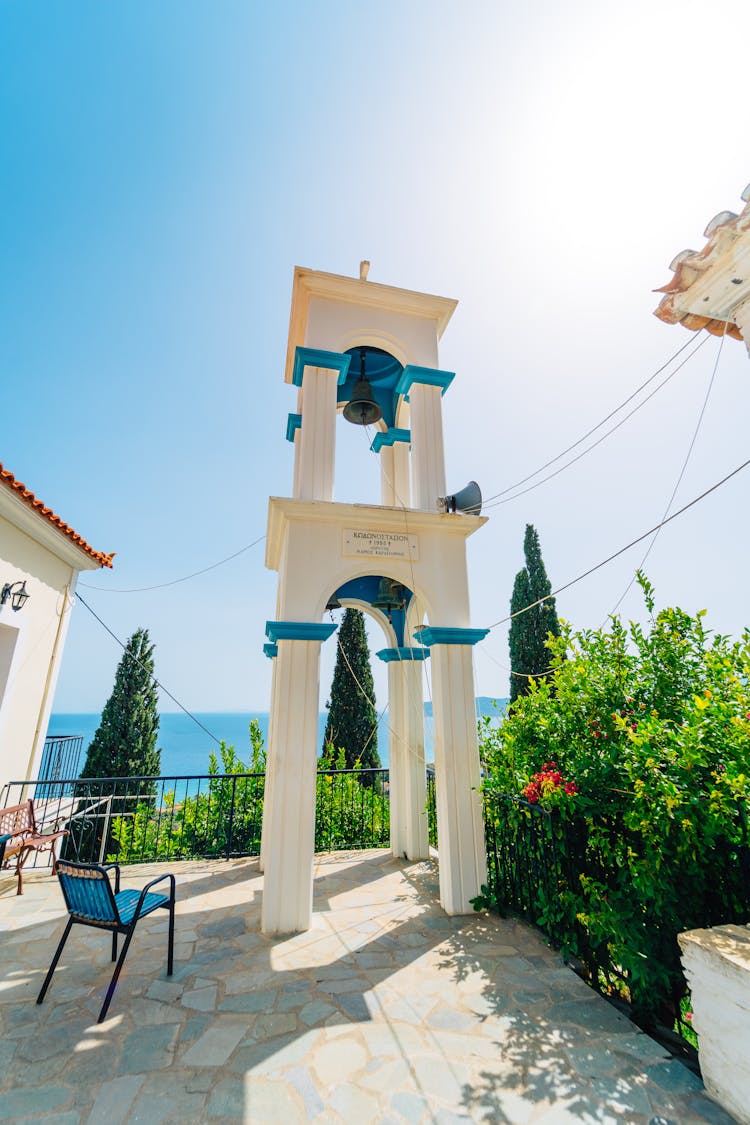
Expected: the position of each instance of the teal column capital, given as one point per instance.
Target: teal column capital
(314, 357)
(270, 651)
(429, 376)
(390, 437)
(440, 635)
(293, 423)
(298, 631)
(391, 655)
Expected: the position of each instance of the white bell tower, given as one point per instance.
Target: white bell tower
(371, 352)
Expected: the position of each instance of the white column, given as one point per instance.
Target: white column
(397, 755)
(314, 467)
(290, 841)
(387, 477)
(270, 772)
(427, 454)
(417, 845)
(401, 483)
(463, 859)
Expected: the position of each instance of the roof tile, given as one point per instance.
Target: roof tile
(25, 494)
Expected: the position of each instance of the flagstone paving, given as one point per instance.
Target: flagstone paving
(386, 1011)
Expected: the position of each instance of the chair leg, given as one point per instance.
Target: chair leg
(115, 976)
(114, 946)
(170, 953)
(55, 959)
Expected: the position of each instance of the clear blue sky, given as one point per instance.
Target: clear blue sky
(164, 167)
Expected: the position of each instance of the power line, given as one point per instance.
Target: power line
(175, 581)
(633, 543)
(145, 669)
(688, 455)
(498, 497)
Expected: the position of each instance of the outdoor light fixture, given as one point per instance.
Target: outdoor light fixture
(18, 596)
(362, 409)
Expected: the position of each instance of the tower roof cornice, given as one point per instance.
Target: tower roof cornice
(309, 284)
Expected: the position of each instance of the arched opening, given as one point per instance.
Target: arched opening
(358, 477)
(389, 607)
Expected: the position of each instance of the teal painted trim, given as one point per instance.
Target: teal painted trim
(293, 422)
(389, 655)
(270, 651)
(429, 376)
(298, 631)
(437, 635)
(313, 357)
(390, 437)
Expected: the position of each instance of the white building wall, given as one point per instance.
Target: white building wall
(31, 640)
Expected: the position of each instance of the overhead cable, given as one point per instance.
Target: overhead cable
(502, 498)
(688, 455)
(622, 550)
(174, 581)
(157, 683)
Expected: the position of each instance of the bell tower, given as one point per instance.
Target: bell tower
(369, 352)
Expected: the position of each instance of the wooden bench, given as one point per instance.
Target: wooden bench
(18, 822)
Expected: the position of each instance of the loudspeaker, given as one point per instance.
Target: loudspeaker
(468, 500)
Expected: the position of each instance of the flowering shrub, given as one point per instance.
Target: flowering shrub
(547, 785)
(653, 723)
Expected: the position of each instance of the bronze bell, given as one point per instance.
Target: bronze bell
(389, 597)
(362, 409)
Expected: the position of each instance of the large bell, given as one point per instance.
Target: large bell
(333, 603)
(390, 596)
(362, 409)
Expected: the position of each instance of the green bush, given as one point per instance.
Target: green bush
(651, 727)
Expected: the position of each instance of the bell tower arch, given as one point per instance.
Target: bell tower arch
(371, 352)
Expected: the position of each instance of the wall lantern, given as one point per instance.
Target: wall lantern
(18, 597)
(362, 409)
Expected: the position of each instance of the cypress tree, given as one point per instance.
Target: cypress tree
(352, 722)
(529, 631)
(125, 742)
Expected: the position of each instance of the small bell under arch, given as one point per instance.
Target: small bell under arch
(362, 409)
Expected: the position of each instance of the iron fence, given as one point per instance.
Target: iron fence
(145, 819)
(60, 757)
(522, 859)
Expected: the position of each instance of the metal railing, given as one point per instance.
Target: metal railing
(522, 860)
(144, 819)
(60, 757)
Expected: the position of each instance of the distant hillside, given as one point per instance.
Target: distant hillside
(485, 706)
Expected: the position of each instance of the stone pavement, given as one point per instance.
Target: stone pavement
(386, 1011)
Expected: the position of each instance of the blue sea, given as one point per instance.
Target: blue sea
(185, 747)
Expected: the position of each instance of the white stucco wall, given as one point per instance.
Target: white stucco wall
(32, 638)
(717, 968)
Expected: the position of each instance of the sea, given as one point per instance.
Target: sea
(186, 741)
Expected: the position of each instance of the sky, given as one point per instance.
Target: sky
(164, 168)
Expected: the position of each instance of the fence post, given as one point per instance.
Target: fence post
(230, 832)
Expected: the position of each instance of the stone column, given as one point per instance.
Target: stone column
(290, 835)
(461, 843)
(318, 435)
(393, 447)
(424, 388)
(319, 374)
(408, 782)
(271, 651)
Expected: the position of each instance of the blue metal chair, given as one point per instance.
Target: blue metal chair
(92, 902)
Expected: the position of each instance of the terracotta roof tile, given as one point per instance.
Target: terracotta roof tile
(724, 229)
(28, 497)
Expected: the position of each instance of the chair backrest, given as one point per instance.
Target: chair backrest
(17, 818)
(88, 893)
